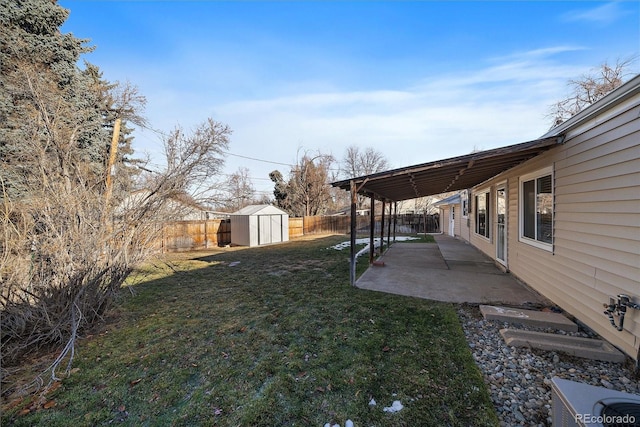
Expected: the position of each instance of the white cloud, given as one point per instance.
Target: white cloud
(443, 116)
(603, 15)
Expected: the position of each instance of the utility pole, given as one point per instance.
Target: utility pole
(112, 159)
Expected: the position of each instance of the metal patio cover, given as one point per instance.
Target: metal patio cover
(456, 173)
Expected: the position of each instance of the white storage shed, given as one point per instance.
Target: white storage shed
(257, 225)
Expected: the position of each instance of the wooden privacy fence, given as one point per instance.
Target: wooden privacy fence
(326, 224)
(296, 227)
(408, 224)
(191, 235)
(301, 226)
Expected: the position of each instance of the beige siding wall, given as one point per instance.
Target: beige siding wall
(459, 223)
(465, 230)
(444, 219)
(458, 215)
(596, 251)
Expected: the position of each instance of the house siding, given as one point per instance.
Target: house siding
(596, 246)
(460, 228)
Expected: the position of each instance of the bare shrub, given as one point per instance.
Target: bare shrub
(66, 248)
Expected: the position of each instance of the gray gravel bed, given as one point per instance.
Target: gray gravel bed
(519, 379)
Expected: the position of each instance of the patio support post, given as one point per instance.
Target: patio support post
(382, 227)
(353, 226)
(389, 228)
(372, 227)
(395, 219)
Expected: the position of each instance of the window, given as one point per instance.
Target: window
(464, 201)
(536, 209)
(482, 214)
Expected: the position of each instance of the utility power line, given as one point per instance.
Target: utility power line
(258, 160)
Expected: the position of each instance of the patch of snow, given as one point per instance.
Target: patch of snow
(372, 402)
(234, 263)
(349, 423)
(363, 241)
(395, 407)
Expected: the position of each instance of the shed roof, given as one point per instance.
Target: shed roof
(456, 173)
(260, 210)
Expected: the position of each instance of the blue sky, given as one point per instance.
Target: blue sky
(416, 80)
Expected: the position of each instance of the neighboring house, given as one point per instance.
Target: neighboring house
(180, 207)
(347, 211)
(561, 213)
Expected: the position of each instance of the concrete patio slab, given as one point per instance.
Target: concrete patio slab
(450, 271)
(580, 347)
(453, 249)
(539, 319)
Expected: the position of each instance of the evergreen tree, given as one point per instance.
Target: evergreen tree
(41, 85)
(280, 191)
(66, 247)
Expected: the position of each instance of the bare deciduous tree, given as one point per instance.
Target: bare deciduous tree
(588, 89)
(66, 250)
(240, 190)
(308, 189)
(357, 162)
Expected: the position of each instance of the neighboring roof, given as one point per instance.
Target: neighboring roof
(184, 199)
(451, 200)
(346, 211)
(260, 210)
(456, 173)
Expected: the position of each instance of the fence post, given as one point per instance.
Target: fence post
(206, 239)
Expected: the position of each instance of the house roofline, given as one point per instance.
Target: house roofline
(619, 95)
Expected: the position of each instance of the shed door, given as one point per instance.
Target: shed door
(264, 229)
(276, 228)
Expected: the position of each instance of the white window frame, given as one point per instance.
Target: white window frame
(464, 204)
(504, 185)
(489, 213)
(532, 177)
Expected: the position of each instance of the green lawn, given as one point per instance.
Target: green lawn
(278, 339)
